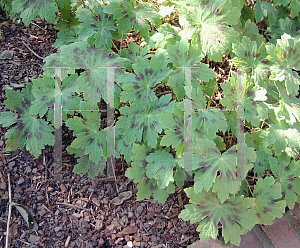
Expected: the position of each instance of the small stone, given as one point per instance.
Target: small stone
(105, 201)
(33, 239)
(56, 229)
(20, 181)
(139, 209)
(11, 164)
(2, 185)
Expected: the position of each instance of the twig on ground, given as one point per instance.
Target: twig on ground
(140, 222)
(163, 93)
(12, 159)
(9, 211)
(38, 26)
(32, 51)
(24, 242)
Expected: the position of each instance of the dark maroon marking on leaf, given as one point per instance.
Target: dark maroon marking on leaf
(84, 120)
(255, 104)
(155, 123)
(228, 175)
(205, 168)
(30, 135)
(213, 121)
(19, 110)
(205, 118)
(153, 187)
(271, 202)
(287, 168)
(93, 25)
(255, 54)
(41, 124)
(258, 215)
(25, 134)
(146, 128)
(126, 15)
(177, 132)
(23, 104)
(249, 93)
(163, 167)
(147, 153)
(141, 75)
(284, 54)
(43, 98)
(207, 198)
(133, 125)
(181, 137)
(235, 210)
(266, 210)
(283, 193)
(86, 131)
(141, 126)
(233, 90)
(91, 140)
(232, 203)
(99, 145)
(176, 127)
(201, 205)
(231, 152)
(151, 71)
(264, 61)
(21, 126)
(138, 95)
(137, 78)
(146, 71)
(291, 178)
(136, 86)
(290, 187)
(206, 213)
(236, 217)
(247, 54)
(39, 136)
(63, 102)
(201, 164)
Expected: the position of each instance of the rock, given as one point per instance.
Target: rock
(7, 54)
